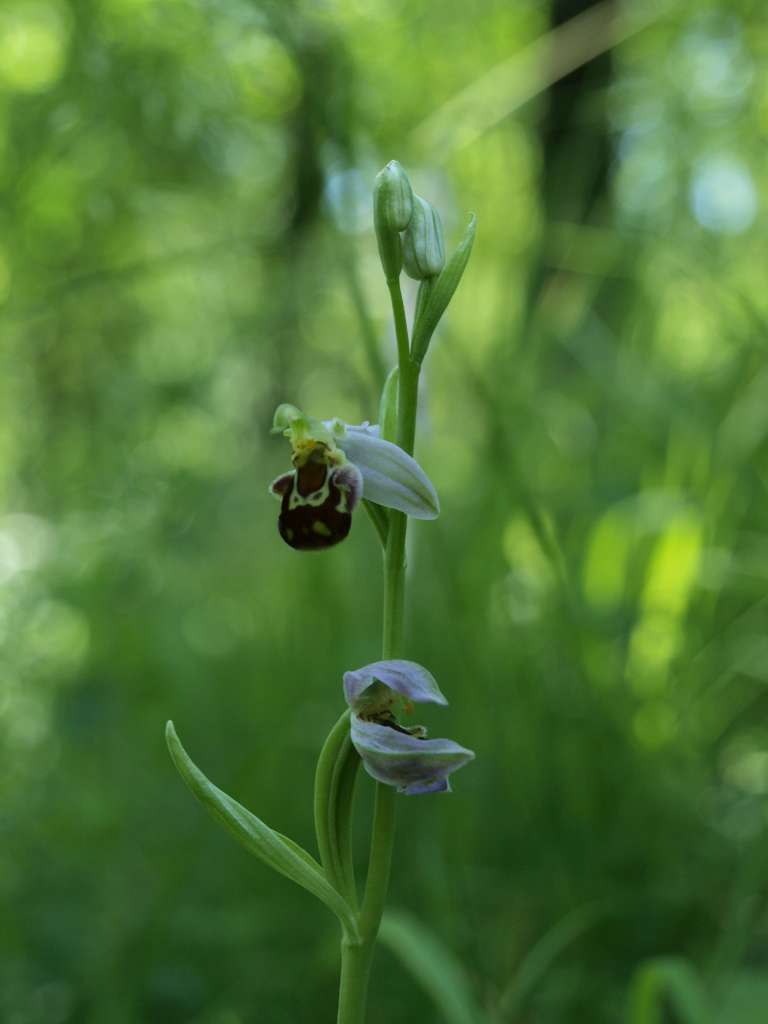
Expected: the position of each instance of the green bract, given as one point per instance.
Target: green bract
(434, 302)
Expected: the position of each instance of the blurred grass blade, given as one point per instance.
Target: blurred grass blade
(667, 981)
(280, 853)
(441, 293)
(541, 956)
(506, 86)
(434, 967)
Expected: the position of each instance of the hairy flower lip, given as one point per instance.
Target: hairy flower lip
(317, 500)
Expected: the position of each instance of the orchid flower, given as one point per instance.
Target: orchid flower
(334, 465)
(392, 753)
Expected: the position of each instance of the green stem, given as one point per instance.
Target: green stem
(356, 958)
(401, 325)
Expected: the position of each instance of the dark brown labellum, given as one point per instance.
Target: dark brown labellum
(313, 514)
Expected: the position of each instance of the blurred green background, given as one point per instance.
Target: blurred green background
(185, 242)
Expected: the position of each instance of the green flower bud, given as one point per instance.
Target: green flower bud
(393, 197)
(392, 208)
(423, 245)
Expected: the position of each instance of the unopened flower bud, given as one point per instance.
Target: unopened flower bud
(392, 208)
(423, 245)
(393, 196)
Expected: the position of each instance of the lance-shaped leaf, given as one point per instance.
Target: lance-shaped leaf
(414, 765)
(279, 852)
(391, 477)
(441, 294)
(407, 678)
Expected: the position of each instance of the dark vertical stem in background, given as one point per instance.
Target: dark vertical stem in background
(575, 147)
(322, 119)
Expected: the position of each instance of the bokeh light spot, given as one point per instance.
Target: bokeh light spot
(674, 567)
(605, 566)
(58, 637)
(747, 770)
(686, 339)
(653, 644)
(655, 724)
(266, 73)
(723, 196)
(25, 541)
(33, 45)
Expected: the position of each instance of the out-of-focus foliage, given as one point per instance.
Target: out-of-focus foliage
(186, 241)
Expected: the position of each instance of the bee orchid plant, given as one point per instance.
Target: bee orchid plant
(336, 467)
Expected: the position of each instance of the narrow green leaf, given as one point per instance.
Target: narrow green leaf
(280, 853)
(334, 784)
(434, 966)
(345, 774)
(536, 964)
(667, 981)
(441, 294)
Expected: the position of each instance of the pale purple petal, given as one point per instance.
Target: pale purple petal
(410, 680)
(371, 429)
(391, 477)
(399, 759)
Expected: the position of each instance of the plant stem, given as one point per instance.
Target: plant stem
(401, 326)
(356, 959)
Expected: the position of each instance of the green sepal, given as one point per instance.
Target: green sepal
(388, 406)
(280, 853)
(441, 294)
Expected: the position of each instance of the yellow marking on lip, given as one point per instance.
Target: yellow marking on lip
(321, 529)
